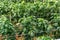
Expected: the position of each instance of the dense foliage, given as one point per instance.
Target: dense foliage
(6, 28)
(30, 18)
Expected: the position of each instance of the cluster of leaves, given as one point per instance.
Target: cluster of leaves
(35, 26)
(44, 38)
(38, 9)
(6, 28)
(36, 17)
